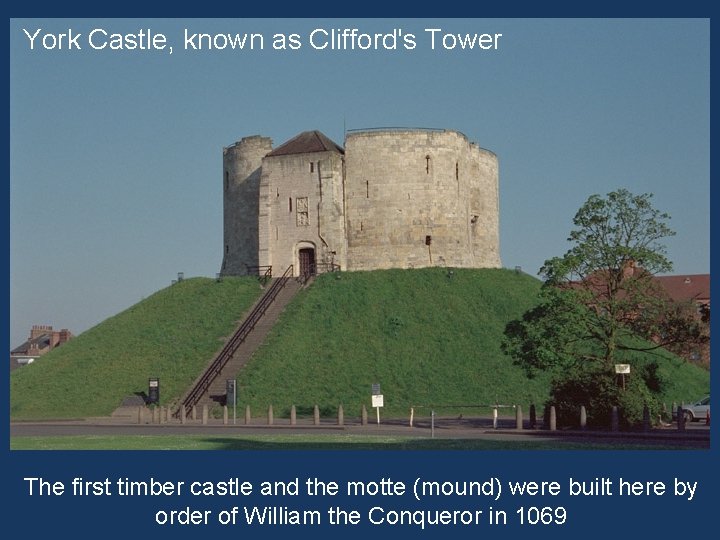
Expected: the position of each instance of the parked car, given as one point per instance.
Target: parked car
(697, 411)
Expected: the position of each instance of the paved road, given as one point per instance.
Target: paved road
(696, 436)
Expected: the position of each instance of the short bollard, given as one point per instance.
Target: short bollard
(155, 415)
(583, 417)
(248, 416)
(363, 415)
(293, 416)
(518, 417)
(183, 416)
(533, 416)
(225, 415)
(316, 415)
(193, 413)
(341, 416)
(270, 415)
(553, 418)
(615, 419)
(204, 414)
(412, 415)
(140, 415)
(495, 419)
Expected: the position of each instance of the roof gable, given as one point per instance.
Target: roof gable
(307, 142)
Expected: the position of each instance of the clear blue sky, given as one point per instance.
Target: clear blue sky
(116, 157)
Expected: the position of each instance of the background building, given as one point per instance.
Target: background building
(42, 340)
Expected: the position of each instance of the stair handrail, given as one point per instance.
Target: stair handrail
(224, 356)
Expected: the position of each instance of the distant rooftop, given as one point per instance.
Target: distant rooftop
(686, 287)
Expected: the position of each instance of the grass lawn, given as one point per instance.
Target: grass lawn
(305, 442)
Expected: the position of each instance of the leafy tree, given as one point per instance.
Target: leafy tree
(599, 303)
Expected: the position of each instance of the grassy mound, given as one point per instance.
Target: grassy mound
(171, 335)
(430, 337)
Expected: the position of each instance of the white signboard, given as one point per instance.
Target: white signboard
(377, 401)
(622, 368)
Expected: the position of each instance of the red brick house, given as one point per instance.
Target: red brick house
(681, 288)
(42, 340)
(696, 288)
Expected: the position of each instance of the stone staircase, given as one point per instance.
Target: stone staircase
(209, 388)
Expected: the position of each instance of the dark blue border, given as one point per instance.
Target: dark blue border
(589, 517)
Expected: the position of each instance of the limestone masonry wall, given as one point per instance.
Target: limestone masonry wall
(396, 198)
(242, 164)
(301, 208)
(418, 198)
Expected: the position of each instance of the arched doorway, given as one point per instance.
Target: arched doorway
(306, 260)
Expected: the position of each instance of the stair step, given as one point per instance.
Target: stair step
(246, 348)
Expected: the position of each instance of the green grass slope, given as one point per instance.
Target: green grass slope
(171, 335)
(430, 338)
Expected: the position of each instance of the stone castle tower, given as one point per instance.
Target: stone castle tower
(392, 198)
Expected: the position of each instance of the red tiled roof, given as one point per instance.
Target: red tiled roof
(680, 288)
(307, 142)
(694, 286)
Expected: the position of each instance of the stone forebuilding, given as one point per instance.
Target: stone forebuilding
(392, 198)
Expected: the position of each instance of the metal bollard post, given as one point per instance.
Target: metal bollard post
(533, 416)
(680, 418)
(518, 417)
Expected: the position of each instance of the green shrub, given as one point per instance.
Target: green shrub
(599, 390)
